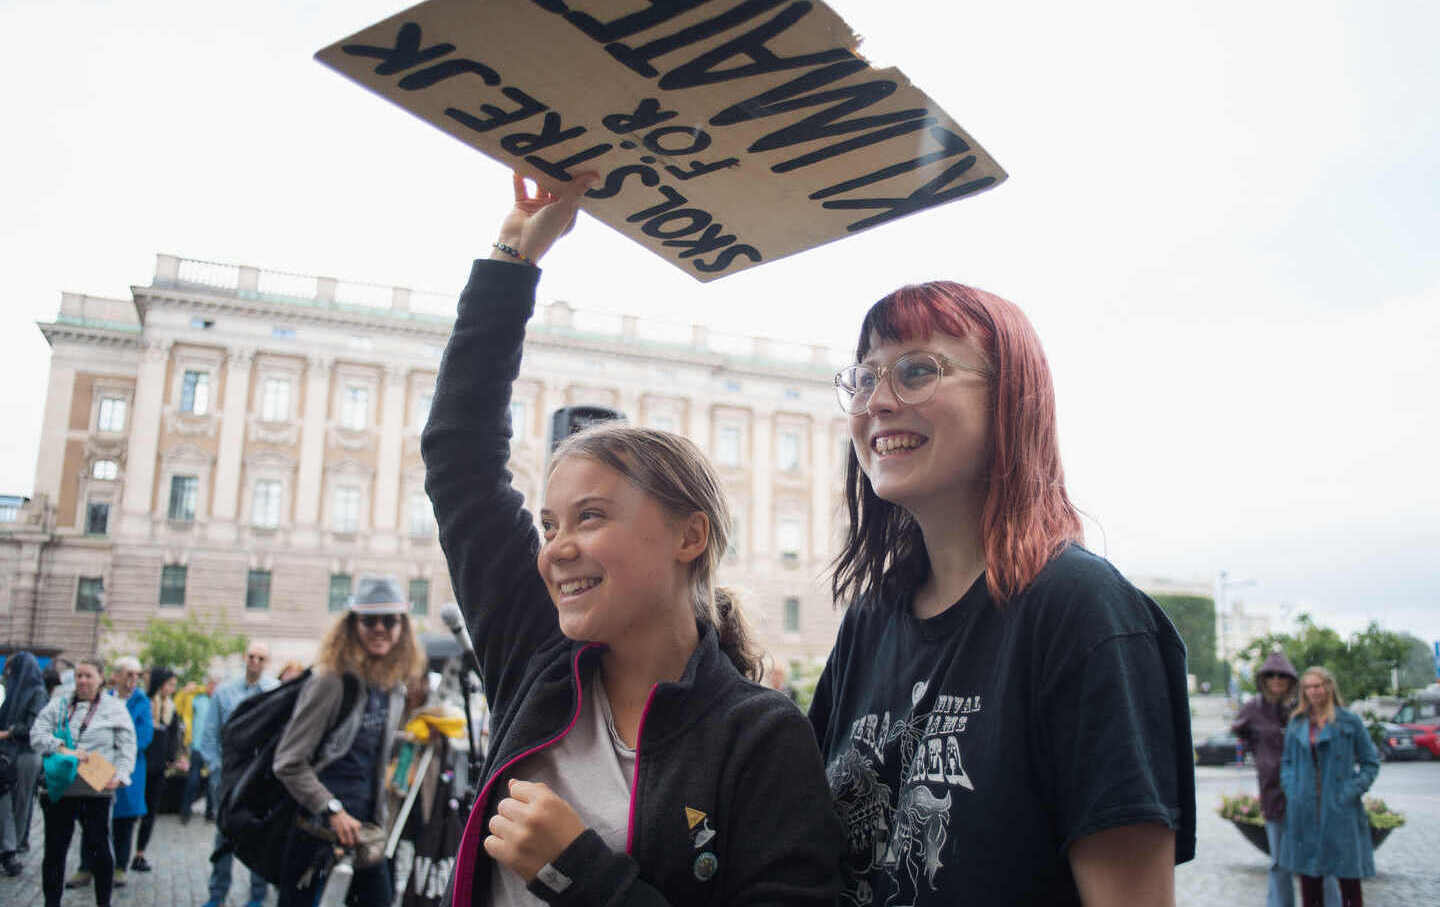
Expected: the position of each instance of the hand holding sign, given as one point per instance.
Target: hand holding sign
(726, 134)
(536, 222)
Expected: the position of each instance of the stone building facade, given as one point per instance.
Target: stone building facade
(241, 445)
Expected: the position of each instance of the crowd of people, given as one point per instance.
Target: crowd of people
(995, 688)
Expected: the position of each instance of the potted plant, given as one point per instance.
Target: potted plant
(1243, 811)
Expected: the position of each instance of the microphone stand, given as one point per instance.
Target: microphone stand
(474, 764)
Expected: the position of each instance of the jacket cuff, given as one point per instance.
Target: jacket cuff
(586, 872)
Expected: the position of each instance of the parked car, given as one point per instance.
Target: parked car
(1421, 716)
(1397, 743)
(1221, 749)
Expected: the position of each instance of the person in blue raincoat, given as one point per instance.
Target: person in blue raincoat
(130, 798)
(1328, 763)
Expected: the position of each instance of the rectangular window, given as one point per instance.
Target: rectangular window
(183, 492)
(346, 509)
(419, 596)
(792, 615)
(265, 506)
(355, 408)
(9, 513)
(727, 445)
(257, 590)
(787, 450)
(275, 400)
(790, 536)
(422, 408)
(519, 419)
(172, 585)
(112, 414)
(339, 591)
(422, 516)
(97, 517)
(195, 393)
(90, 594)
(104, 469)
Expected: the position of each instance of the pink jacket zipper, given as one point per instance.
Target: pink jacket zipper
(470, 838)
(635, 778)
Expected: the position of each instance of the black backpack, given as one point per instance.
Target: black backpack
(256, 813)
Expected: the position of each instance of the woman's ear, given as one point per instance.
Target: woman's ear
(694, 537)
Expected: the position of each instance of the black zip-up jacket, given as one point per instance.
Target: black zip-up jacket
(712, 743)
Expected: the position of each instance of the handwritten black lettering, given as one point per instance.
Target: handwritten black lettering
(560, 170)
(927, 196)
(428, 76)
(828, 122)
(726, 257)
(647, 113)
(829, 151)
(658, 11)
(701, 70)
(615, 180)
(497, 117)
(672, 201)
(655, 140)
(950, 145)
(638, 58)
(550, 134)
(692, 219)
(406, 54)
(713, 238)
(700, 168)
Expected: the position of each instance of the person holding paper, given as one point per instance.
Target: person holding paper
(635, 759)
(1004, 718)
(87, 725)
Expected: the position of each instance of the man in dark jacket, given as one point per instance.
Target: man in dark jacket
(1261, 724)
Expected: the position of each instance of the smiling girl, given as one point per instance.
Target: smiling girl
(633, 757)
(1004, 717)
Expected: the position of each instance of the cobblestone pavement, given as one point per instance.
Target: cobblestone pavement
(1228, 870)
(181, 877)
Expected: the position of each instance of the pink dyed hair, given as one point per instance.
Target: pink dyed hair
(1027, 518)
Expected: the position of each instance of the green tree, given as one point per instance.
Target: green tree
(1194, 618)
(1362, 664)
(1418, 668)
(188, 646)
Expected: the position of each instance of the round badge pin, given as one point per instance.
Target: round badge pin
(706, 865)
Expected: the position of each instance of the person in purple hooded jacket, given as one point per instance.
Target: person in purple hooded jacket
(1261, 725)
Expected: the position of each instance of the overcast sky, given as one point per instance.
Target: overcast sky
(1223, 217)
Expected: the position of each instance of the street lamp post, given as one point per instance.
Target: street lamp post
(1223, 584)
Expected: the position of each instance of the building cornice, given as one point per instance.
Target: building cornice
(101, 333)
(297, 312)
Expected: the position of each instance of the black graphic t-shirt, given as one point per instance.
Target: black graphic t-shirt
(967, 752)
(351, 778)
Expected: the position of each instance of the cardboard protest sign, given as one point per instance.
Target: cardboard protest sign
(727, 132)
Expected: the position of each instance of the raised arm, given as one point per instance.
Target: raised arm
(489, 539)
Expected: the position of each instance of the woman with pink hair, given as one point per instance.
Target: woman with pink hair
(1004, 717)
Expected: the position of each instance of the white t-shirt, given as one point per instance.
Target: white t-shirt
(591, 768)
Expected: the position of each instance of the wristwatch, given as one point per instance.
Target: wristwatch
(334, 807)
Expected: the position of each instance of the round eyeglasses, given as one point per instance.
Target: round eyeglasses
(913, 379)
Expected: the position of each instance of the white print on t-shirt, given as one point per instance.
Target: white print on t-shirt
(901, 836)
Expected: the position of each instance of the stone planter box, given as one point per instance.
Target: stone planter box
(1255, 834)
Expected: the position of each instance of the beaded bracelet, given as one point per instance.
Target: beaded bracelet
(512, 252)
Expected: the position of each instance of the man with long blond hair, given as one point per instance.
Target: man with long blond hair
(332, 761)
